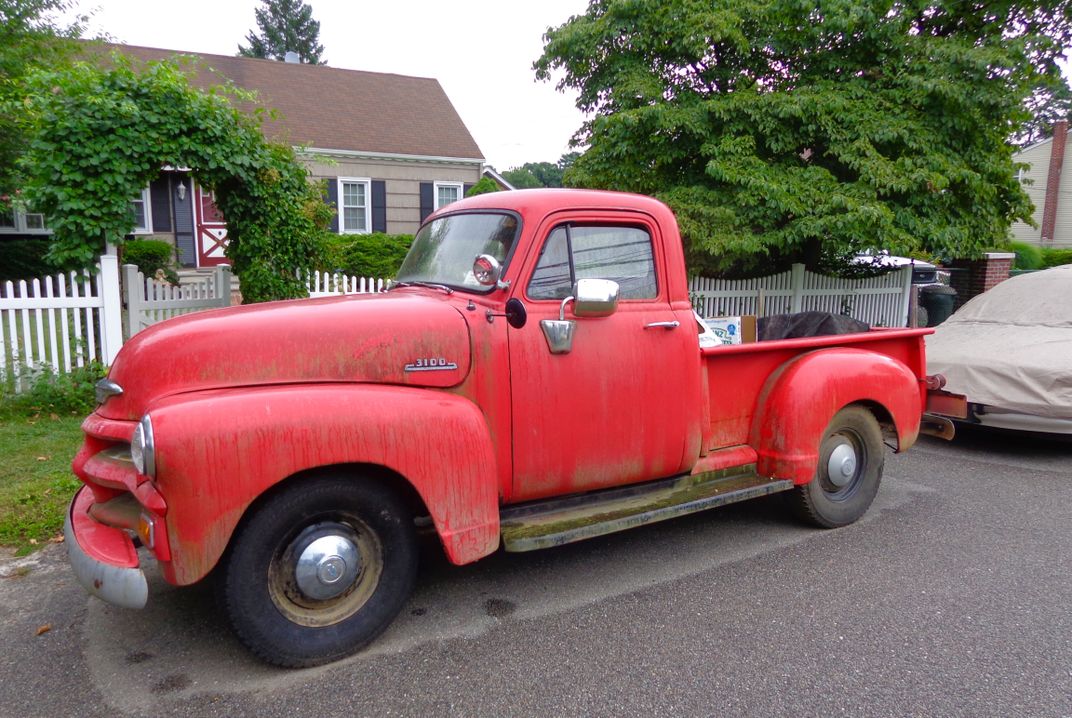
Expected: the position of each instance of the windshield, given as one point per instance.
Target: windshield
(444, 250)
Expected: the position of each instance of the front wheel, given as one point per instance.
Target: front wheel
(851, 457)
(319, 570)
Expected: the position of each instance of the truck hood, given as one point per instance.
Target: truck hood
(397, 338)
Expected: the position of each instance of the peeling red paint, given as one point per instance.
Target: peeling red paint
(364, 338)
(798, 401)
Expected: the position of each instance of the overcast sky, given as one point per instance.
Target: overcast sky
(481, 51)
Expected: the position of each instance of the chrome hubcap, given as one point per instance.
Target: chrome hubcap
(327, 567)
(841, 466)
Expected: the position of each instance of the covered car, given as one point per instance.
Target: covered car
(1009, 350)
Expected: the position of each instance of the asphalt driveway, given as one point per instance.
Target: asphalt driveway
(952, 598)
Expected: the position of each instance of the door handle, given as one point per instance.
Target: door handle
(663, 325)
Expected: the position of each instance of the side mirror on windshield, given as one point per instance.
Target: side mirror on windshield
(487, 270)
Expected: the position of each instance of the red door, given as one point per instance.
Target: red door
(211, 234)
(616, 408)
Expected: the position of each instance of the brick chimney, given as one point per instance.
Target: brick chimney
(1053, 180)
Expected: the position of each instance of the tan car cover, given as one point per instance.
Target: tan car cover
(1011, 347)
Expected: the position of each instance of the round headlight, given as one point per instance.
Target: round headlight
(141, 448)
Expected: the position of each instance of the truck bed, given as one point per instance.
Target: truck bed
(736, 374)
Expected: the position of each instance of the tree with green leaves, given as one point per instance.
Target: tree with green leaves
(484, 186)
(31, 38)
(540, 174)
(102, 134)
(784, 131)
(522, 177)
(285, 25)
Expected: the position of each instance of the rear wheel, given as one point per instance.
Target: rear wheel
(319, 570)
(848, 474)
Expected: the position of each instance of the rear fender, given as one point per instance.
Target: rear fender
(217, 451)
(800, 398)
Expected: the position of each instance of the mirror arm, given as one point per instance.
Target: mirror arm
(562, 308)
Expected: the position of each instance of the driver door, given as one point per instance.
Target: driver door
(614, 410)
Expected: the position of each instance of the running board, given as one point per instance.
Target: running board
(554, 522)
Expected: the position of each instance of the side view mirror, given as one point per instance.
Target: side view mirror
(595, 297)
(591, 298)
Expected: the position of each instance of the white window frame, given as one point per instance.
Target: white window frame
(435, 191)
(145, 202)
(342, 209)
(20, 224)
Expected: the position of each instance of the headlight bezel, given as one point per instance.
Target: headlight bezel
(143, 448)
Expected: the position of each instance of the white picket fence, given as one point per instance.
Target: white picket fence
(881, 301)
(324, 284)
(68, 320)
(150, 301)
(61, 321)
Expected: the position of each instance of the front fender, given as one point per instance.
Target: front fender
(800, 398)
(217, 451)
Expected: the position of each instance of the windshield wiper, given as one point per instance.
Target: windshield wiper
(430, 285)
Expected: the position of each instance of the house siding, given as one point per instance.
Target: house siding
(402, 180)
(1034, 184)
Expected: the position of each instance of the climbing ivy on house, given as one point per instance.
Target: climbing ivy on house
(101, 134)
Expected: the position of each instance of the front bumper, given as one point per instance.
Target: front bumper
(104, 559)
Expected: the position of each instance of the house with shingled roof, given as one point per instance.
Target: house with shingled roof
(391, 149)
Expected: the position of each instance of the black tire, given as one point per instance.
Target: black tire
(842, 491)
(366, 544)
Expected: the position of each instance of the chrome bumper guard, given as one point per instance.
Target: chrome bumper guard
(117, 585)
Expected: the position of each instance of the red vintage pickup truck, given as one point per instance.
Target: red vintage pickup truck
(532, 378)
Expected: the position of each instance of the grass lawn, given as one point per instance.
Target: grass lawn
(36, 482)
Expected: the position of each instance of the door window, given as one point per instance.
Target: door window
(623, 254)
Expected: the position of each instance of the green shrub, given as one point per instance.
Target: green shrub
(1056, 257)
(24, 259)
(50, 393)
(1028, 256)
(485, 185)
(366, 255)
(151, 256)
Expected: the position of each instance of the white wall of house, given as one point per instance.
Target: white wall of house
(1034, 181)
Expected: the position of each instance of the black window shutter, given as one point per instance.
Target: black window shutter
(465, 189)
(427, 200)
(333, 202)
(379, 206)
(160, 204)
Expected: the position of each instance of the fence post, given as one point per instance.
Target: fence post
(223, 283)
(111, 313)
(796, 285)
(908, 300)
(134, 283)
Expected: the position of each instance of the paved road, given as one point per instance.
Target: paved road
(951, 598)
